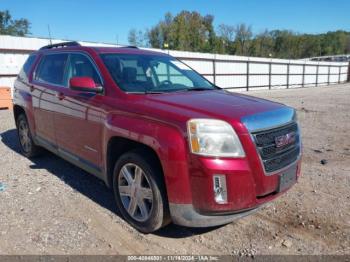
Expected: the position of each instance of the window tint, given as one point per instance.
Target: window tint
(51, 69)
(27, 66)
(80, 65)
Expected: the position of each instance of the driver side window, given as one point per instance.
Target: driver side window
(80, 66)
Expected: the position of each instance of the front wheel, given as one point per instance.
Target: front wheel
(140, 192)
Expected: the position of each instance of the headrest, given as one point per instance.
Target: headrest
(113, 63)
(129, 74)
(83, 69)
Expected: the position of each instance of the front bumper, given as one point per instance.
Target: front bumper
(243, 199)
(186, 215)
(247, 185)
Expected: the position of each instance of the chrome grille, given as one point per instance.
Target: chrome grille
(273, 157)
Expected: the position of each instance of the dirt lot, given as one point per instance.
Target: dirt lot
(51, 207)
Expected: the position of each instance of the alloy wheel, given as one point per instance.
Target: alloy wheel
(24, 135)
(135, 192)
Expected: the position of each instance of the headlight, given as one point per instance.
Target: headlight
(295, 116)
(211, 137)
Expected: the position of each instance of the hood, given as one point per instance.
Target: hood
(218, 104)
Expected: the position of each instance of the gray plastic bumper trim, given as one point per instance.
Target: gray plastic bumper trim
(186, 215)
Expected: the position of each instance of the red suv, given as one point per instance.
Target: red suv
(173, 146)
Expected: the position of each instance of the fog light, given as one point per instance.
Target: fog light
(220, 190)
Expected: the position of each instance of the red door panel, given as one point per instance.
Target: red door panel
(78, 125)
(43, 99)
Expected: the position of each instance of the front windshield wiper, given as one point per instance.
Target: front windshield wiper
(153, 91)
(199, 89)
(145, 92)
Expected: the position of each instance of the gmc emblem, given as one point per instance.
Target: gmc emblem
(285, 139)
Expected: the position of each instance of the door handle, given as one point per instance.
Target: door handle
(60, 95)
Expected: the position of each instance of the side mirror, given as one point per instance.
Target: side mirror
(84, 84)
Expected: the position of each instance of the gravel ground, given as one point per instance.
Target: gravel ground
(48, 206)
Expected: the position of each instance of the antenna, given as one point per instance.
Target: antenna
(48, 28)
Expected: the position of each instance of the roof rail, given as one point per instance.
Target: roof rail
(63, 44)
(129, 46)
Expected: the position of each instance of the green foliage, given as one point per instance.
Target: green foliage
(8, 26)
(243, 39)
(190, 31)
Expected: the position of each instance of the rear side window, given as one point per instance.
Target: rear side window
(24, 73)
(51, 69)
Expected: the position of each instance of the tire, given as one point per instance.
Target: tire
(139, 187)
(28, 147)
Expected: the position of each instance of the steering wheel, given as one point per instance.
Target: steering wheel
(165, 82)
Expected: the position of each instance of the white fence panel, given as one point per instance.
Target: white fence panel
(260, 80)
(343, 78)
(295, 69)
(333, 79)
(230, 67)
(279, 80)
(11, 63)
(309, 80)
(231, 81)
(226, 71)
(322, 79)
(279, 69)
(203, 67)
(310, 69)
(258, 68)
(209, 78)
(7, 81)
(295, 81)
(323, 70)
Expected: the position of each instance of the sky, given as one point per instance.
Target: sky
(110, 20)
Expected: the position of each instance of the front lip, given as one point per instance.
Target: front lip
(186, 215)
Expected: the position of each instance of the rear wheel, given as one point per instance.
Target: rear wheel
(28, 147)
(139, 191)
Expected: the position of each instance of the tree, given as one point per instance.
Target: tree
(263, 45)
(227, 34)
(190, 31)
(8, 26)
(136, 38)
(132, 38)
(242, 38)
(347, 48)
(210, 35)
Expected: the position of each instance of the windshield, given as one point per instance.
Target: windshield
(153, 74)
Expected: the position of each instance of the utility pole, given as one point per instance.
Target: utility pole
(48, 28)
